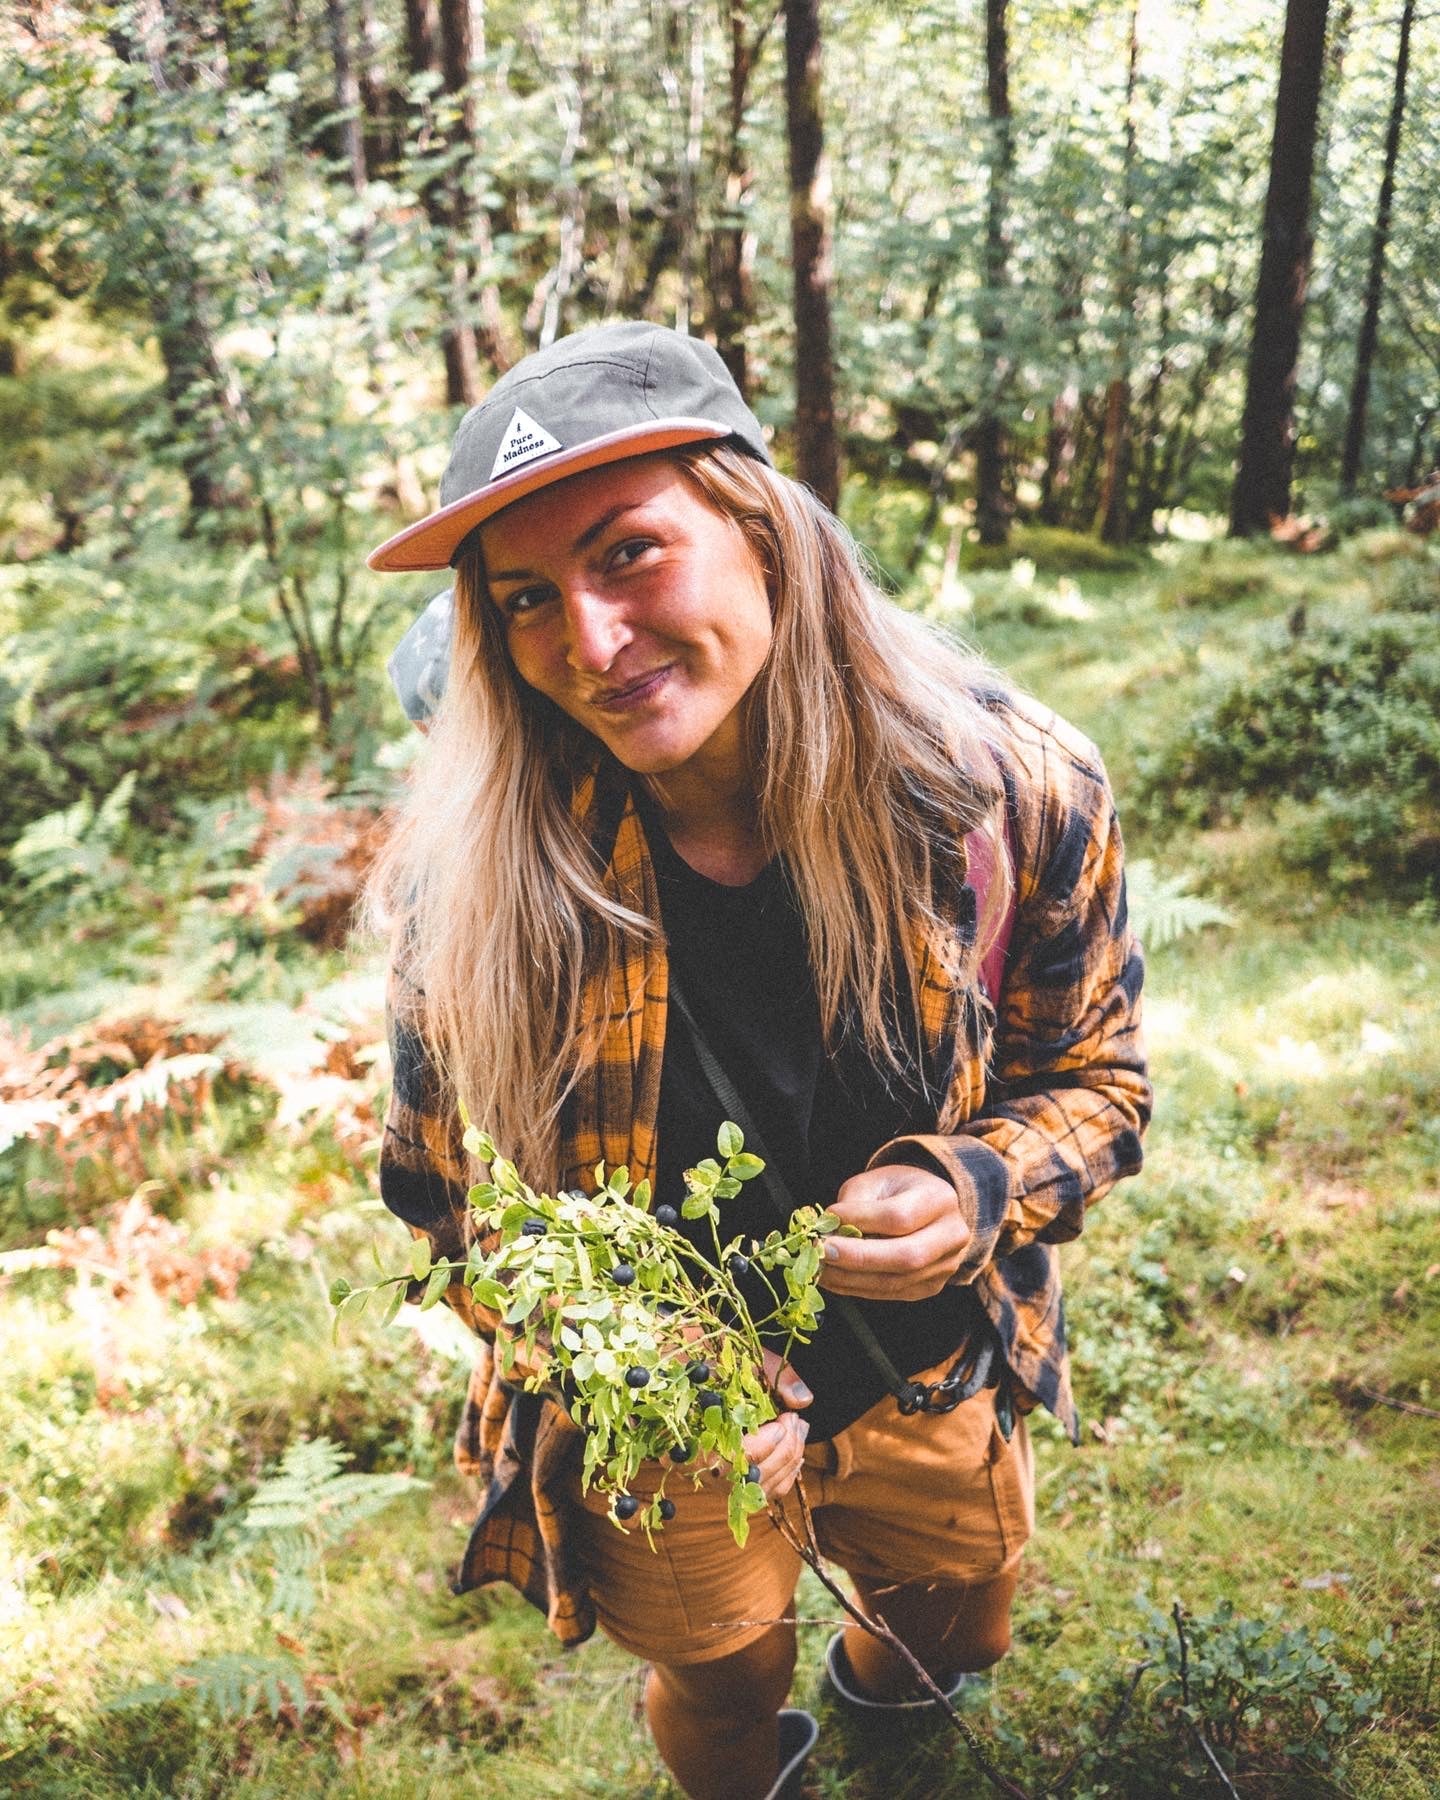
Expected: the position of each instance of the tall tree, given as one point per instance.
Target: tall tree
(732, 242)
(1112, 519)
(817, 445)
(1375, 283)
(992, 504)
(437, 195)
(1267, 436)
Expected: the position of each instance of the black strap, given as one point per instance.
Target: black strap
(975, 1368)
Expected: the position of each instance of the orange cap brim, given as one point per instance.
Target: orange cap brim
(431, 542)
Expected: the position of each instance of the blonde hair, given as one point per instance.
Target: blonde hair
(872, 747)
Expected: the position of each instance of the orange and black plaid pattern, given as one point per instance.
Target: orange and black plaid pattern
(1043, 1113)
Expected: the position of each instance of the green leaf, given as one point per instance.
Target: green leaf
(745, 1167)
(339, 1290)
(729, 1140)
(420, 1258)
(641, 1196)
(695, 1206)
(491, 1293)
(394, 1300)
(435, 1287)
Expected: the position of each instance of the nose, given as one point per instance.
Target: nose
(595, 631)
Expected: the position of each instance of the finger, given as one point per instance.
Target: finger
(777, 1452)
(893, 1202)
(886, 1202)
(907, 1268)
(785, 1383)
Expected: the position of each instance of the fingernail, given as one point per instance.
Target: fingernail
(801, 1392)
(805, 1428)
(832, 1250)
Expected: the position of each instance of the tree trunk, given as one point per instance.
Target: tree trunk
(377, 101)
(1375, 284)
(347, 94)
(732, 243)
(422, 36)
(1113, 513)
(462, 360)
(992, 504)
(1267, 435)
(458, 48)
(817, 446)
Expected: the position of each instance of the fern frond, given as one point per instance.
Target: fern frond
(1164, 909)
(233, 1686)
(307, 1505)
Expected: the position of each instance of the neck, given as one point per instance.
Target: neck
(714, 825)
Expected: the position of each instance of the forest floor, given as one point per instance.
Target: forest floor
(1236, 1312)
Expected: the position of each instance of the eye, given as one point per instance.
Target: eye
(525, 600)
(628, 552)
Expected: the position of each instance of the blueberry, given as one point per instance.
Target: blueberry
(753, 1472)
(698, 1371)
(666, 1215)
(739, 1266)
(707, 1398)
(626, 1506)
(622, 1275)
(667, 1509)
(682, 1453)
(637, 1377)
(533, 1228)
(667, 1309)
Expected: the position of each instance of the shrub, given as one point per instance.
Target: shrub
(1053, 552)
(1217, 1690)
(1340, 727)
(1367, 512)
(1219, 575)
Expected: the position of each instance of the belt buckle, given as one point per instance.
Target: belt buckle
(943, 1396)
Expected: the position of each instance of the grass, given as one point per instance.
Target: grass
(1280, 1253)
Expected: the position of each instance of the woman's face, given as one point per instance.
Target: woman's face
(638, 609)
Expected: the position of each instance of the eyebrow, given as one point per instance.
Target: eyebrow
(583, 542)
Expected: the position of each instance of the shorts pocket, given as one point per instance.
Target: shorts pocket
(1012, 1487)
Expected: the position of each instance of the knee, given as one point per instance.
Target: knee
(981, 1649)
(751, 1682)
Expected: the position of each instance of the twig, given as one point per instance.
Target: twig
(1177, 1612)
(1405, 1406)
(808, 1550)
(1112, 1725)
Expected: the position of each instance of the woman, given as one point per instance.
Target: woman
(698, 799)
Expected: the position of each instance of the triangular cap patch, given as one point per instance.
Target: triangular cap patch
(522, 443)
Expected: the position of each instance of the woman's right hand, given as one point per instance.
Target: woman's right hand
(778, 1448)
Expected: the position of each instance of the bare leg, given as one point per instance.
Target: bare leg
(950, 1630)
(714, 1722)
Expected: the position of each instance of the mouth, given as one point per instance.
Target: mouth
(633, 693)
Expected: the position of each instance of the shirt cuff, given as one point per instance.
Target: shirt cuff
(980, 1178)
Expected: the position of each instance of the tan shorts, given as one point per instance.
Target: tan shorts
(935, 1497)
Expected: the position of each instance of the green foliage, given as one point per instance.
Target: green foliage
(652, 1346)
(1339, 725)
(228, 1687)
(1163, 907)
(1221, 575)
(1053, 551)
(1261, 1696)
(308, 1505)
(1361, 513)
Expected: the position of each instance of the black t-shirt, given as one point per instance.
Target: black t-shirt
(740, 954)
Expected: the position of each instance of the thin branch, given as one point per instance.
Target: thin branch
(1177, 1612)
(1112, 1725)
(1405, 1406)
(807, 1549)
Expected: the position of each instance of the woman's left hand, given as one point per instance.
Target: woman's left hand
(913, 1235)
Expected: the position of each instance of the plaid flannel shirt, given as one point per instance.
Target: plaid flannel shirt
(1042, 1112)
